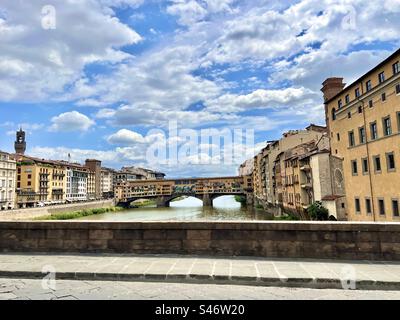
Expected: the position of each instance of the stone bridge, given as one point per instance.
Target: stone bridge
(164, 191)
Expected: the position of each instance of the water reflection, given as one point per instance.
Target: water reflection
(188, 209)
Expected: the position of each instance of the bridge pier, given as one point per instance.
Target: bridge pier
(249, 199)
(162, 202)
(207, 200)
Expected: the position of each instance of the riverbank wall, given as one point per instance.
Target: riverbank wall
(31, 213)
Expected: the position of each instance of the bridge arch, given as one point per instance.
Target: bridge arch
(169, 199)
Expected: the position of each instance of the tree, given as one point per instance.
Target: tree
(318, 212)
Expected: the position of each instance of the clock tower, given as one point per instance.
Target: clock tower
(20, 143)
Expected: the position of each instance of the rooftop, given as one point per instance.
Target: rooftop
(366, 75)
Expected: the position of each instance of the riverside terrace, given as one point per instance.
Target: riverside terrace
(164, 191)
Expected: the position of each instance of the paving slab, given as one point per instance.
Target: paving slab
(306, 273)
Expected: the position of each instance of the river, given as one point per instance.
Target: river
(188, 209)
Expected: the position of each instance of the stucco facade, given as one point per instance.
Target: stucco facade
(39, 181)
(364, 128)
(7, 181)
(265, 163)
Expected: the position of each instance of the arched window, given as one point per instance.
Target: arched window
(333, 114)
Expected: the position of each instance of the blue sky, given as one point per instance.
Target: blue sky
(109, 72)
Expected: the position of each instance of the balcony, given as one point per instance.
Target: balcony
(307, 185)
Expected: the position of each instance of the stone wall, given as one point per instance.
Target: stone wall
(327, 240)
(21, 214)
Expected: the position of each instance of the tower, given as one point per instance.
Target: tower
(20, 143)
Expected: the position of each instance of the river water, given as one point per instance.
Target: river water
(188, 209)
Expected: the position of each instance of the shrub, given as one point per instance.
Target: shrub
(240, 199)
(79, 214)
(318, 212)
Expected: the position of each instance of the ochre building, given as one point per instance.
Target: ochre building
(363, 120)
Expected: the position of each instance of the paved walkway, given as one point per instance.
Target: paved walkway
(32, 289)
(241, 271)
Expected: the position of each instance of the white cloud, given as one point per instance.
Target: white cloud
(77, 155)
(105, 113)
(162, 80)
(262, 99)
(187, 11)
(71, 121)
(125, 137)
(36, 64)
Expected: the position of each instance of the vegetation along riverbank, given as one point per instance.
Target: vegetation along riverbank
(79, 214)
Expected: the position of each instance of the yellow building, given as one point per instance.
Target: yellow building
(91, 186)
(364, 128)
(39, 182)
(267, 183)
(309, 173)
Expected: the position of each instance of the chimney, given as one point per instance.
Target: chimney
(331, 87)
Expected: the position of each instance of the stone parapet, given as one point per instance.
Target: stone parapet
(321, 240)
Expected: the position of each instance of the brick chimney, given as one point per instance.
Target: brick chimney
(331, 87)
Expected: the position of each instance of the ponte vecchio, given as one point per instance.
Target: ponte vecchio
(164, 191)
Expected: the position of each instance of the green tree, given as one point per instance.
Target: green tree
(318, 212)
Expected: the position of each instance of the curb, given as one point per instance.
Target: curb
(316, 283)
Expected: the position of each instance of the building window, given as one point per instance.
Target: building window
(333, 114)
(351, 139)
(360, 109)
(362, 134)
(374, 131)
(357, 205)
(368, 85)
(391, 164)
(340, 104)
(387, 126)
(377, 164)
(396, 68)
(370, 103)
(347, 98)
(365, 165)
(398, 88)
(354, 168)
(381, 203)
(338, 136)
(383, 97)
(357, 92)
(381, 77)
(398, 121)
(395, 208)
(349, 115)
(368, 206)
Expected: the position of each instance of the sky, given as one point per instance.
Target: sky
(104, 79)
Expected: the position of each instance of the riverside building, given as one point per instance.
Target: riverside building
(7, 181)
(363, 120)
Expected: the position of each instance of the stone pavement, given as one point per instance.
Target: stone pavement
(32, 289)
(206, 270)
